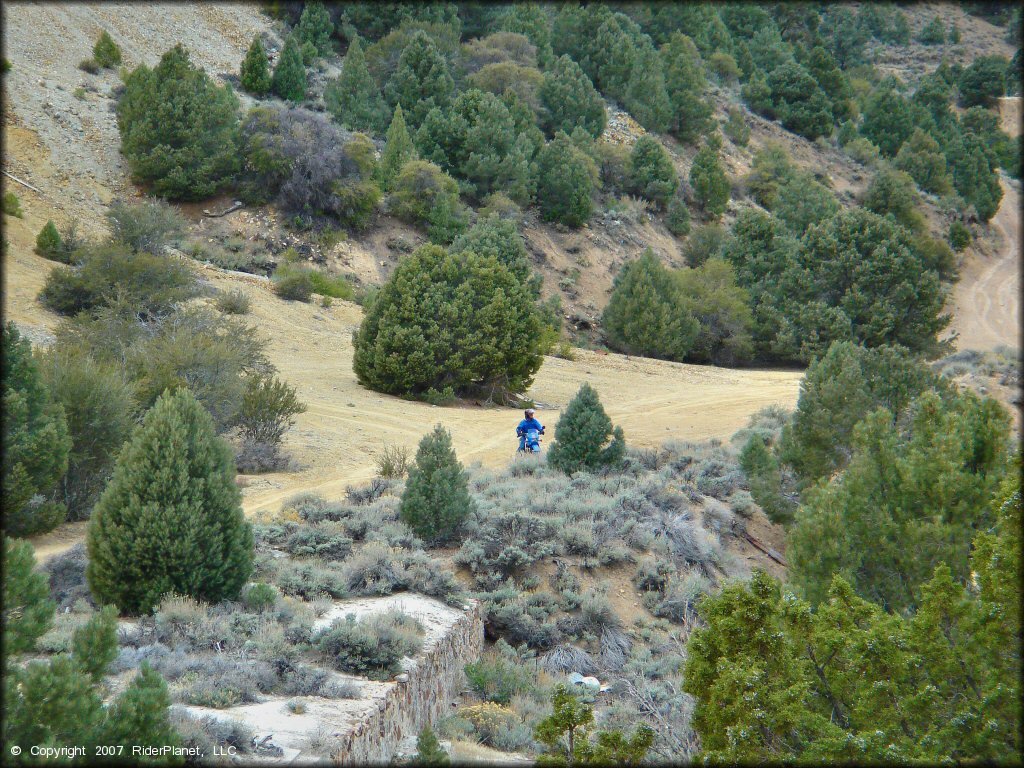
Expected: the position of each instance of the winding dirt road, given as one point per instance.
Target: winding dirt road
(986, 301)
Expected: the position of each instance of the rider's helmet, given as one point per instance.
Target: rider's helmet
(529, 413)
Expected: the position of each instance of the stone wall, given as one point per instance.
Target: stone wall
(433, 684)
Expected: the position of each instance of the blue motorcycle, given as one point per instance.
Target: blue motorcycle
(529, 442)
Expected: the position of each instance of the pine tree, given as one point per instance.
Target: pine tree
(709, 181)
(256, 69)
(94, 644)
(170, 518)
(565, 182)
(398, 149)
(139, 715)
(315, 27)
(421, 80)
(353, 98)
(179, 130)
(582, 436)
(645, 315)
(565, 731)
(651, 173)
(35, 441)
(436, 498)
(48, 242)
(27, 608)
(429, 751)
(684, 76)
(569, 100)
(289, 80)
(921, 157)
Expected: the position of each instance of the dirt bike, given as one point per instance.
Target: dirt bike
(530, 442)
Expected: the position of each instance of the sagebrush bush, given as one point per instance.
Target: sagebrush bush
(373, 646)
(498, 675)
(234, 302)
(147, 226)
(293, 283)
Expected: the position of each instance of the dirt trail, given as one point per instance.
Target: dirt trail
(986, 300)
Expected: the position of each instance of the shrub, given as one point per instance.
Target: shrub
(677, 218)
(565, 182)
(582, 436)
(498, 676)
(35, 439)
(106, 52)
(801, 201)
(490, 721)
(493, 236)
(959, 236)
(436, 499)
(255, 70)
(392, 462)
(151, 285)
(651, 173)
(99, 409)
(178, 128)
(148, 226)
(12, 206)
(293, 283)
(983, 82)
(429, 751)
(705, 243)
(709, 181)
(289, 78)
(402, 347)
(721, 308)
(569, 100)
(267, 409)
(48, 242)
(892, 193)
(336, 287)
(89, 65)
(398, 150)
(371, 647)
(260, 597)
(234, 302)
(186, 525)
(418, 189)
(736, 127)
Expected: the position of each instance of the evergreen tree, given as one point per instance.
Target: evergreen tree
(798, 102)
(889, 120)
(421, 80)
(429, 751)
(565, 182)
(459, 321)
(973, 176)
(709, 181)
(48, 242)
(566, 730)
(436, 498)
(568, 99)
(94, 644)
(398, 149)
(709, 294)
(315, 27)
(289, 80)
(645, 315)
(684, 76)
(353, 98)
(493, 236)
(27, 608)
(651, 173)
(646, 93)
(758, 94)
(35, 441)
(584, 437)
(106, 52)
(139, 715)
(530, 19)
(677, 216)
(765, 480)
(256, 69)
(802, 201)
(921, 157)
(170, 519)
(178, 128)
(983, 81)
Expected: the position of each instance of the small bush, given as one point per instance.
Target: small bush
(393, 461)
(499, 675)
(959, 236)
(705, 243)
(372, 647)
(235, 302)
(260, 597)
(293, 283)
(12, 206)
(254, 457)
(106, 52)
(89, 65)
(490, 721)
(337, 287)
(148, 226)
(48, 242)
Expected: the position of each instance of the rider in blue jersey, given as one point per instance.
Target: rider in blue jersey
(526, 425)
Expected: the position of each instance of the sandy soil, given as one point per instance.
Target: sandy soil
(986, 302)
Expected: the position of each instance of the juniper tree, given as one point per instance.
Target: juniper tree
(429, 751)
(289, 78)
(27, 608)
(255, 70)
(398, 149)
(35, 441)
(178, 128)
(436, 498)
(106, 52)
(48, 242)
(170, 519)
(565, 182)
(651, 173)
(709, 181)
(569, 99)
(315, 27)
(584, 437)
(684, 76)
(353, 98)
(421, 81)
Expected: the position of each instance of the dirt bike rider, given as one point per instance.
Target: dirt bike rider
(526, 425)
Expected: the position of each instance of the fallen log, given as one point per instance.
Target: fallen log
(234, 207)
(767, 550)
(23, 183)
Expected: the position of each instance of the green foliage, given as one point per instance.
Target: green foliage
(12, 206)
(171, 517)
(705, 243)
(932, 33)
(891, 193)
(398, 149)
(910, 498)
(838, 391)
(983, 81)
(260, 597)
(798, 102)
(353, 98)
(765, 480)
(499, 676)
(651, 172)
(569, 100)
(707, 177)
(35, 440)
(771, 169)
(460, 321)
(289, 78)
(178, 128)
(255, 71)
(645, 314)
(371, 647)
(27, 607)
(959, 236)
(802, 201)
(108, 274)
(421, 80)
(48, 242)
(315, 27)
(436, 498)
(293, 282)
(584, 437)
(565, 182)
(974, 178)
(267, 409)
(921, 157)
(677, 216)
(99, 406)
(147, 226)
(709, 294)
(429, 751)
(94, 644)
(684, 76)
(889, 119)
(106, 52)
(419, 188)
(736, 127)
(493, 236)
